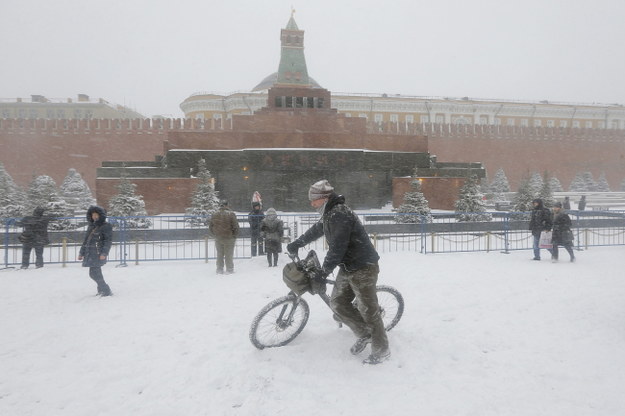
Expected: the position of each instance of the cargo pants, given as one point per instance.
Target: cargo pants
(363, 319)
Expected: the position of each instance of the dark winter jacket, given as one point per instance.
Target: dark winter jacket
(348, 242)
(582, 203)
(541, 219)
(272, 230)
(567, 203)
(98, 239)
(255, 218)
(562, 233)
(35, 229)
(224, 224)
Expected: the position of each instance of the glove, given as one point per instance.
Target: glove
(318, 282)
(292, 248)
(317, 286)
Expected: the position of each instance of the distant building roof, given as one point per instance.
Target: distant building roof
(271, 79)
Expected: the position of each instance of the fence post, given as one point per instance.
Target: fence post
(433, 250)
(506, 233)
(375, 241)
(586, 231)
(206, 249)
(6, 244)
(64, 251)
(580, 233)
(136, 252)
(122, 242)
(423, 233)
(488, 241)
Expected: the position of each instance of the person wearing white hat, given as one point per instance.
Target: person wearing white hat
(349, 248)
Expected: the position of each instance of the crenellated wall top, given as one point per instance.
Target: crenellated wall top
(79, 126)
(431, 130)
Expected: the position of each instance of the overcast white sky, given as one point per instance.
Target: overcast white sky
(152, 54)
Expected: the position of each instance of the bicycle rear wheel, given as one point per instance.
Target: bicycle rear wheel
(280, 322)
(391, 305)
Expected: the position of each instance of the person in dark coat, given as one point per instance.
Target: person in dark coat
(272, 230)
(255, 218)
(540, 221)
(567, 203)
(582, 203)
(562, 234)
(35, 235)
(349, 248)
(96, 246)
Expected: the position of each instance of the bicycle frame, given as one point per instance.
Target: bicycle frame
(283, 319)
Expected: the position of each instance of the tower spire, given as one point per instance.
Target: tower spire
(292, 69)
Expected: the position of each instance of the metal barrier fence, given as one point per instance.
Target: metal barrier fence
(179, 237)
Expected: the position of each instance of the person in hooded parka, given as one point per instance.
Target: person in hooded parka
(272, 230)
(35, 235)
(96, 246)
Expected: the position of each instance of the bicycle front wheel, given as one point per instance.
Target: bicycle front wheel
(280, 322)
(391, 305)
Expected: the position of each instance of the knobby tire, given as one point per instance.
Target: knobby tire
(271, 327)
(392, 305)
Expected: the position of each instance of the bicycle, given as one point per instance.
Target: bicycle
(284, 318)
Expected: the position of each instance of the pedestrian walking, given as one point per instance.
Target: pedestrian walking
(34, 235)
(562, 234)
(540, 221)
(96, 246)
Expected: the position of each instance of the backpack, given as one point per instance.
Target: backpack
(296, 279)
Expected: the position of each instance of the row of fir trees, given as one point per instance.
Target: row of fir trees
(471, 205)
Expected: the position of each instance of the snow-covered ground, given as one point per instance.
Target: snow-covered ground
(482, 334)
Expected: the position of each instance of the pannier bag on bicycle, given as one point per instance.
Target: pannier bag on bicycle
(297, 280)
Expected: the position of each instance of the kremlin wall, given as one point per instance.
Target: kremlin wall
(35, 147)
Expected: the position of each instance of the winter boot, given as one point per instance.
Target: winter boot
(377, 358)
(360, 345)
(104, 289)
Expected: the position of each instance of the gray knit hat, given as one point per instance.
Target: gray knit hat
(321, 189)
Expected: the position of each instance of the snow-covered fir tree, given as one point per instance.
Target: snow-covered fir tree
(205, 200)
(522, 201)
(536, 183)
(44, 193)
(12, 197)
(578, 184)
(76, 192)
(129, 205)
(602, 184)
(556, 186)
(589, 181)
(470, 204)
(415, 208)
(499, 186)
(546, 193)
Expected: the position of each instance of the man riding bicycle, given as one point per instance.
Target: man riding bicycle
(351, 249)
